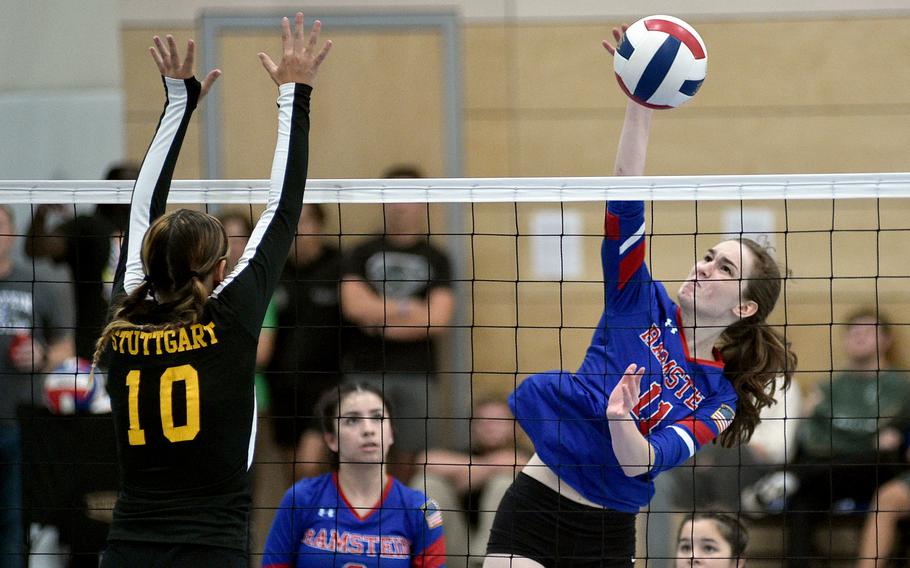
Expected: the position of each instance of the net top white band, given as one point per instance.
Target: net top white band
(485, 190)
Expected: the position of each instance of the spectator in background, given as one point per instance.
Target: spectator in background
(711, 540)
(89, 245)
(469, 486)
(307, 360)
(36, 336)
(397, 290)
(851, 441)
(358, 515)
(238, 227)
(715, 478)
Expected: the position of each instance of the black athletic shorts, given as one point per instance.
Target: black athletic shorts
(535, 522)
(132, 554)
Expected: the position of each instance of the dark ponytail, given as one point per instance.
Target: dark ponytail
(754, 353)
(179, 251)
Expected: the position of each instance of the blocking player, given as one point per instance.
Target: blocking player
(182, 340)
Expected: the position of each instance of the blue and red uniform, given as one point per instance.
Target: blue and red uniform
(684, 404)
(315, 526)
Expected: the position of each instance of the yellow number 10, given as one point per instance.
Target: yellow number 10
(188, 431)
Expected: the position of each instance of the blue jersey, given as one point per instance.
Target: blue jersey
(684, 402)
(315, 526)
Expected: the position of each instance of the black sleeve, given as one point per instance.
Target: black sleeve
(154, 182)
(249, 287)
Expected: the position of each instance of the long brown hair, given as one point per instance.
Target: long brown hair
(179, 251)
(754, 353)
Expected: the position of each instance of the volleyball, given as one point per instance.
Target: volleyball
(661, 62)
(69, 388)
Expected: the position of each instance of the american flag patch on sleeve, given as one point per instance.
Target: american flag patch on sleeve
(723, 417)
(432, 513)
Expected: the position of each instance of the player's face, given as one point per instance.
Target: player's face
(701, 544)
(364, 432)
(713, 288)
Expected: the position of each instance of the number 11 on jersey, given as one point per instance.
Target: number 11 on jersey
(183, 373)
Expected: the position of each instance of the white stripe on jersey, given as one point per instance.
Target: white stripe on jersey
(148, 177)
(686, 438)
(279, 165)
(636, 236)
(252, 446)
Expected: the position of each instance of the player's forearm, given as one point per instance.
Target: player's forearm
(633, 141)
(633, 452)
(151, 190)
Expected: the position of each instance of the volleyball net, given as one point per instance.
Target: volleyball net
(525, 276)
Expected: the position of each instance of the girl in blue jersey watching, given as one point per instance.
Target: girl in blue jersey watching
(357, 515)
(658, 381)
(711, 540)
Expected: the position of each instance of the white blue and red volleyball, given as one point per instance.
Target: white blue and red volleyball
(69, 388)
(661, 62)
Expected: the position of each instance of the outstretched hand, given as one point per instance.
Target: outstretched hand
(617, 37)
(168, 61)
(300, 58)
(626, 393)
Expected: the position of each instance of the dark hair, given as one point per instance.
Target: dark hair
(403, 171)
(241, 218)
(754, 353)
(731, 529)
(882, 324)
(318, 211)
(178, 251)
(329, 404)
(122, 171)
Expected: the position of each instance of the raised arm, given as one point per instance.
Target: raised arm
(623, 250)
(250, 285)
(154, 182)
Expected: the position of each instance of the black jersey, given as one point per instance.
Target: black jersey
(183, 400)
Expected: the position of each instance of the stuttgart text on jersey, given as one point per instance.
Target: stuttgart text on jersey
(160, 342)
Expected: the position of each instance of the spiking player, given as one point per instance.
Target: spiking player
(357, 517)
(658, 381)
(182, 341)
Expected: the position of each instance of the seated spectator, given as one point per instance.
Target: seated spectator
(36, 336)
(468, 486)
(851, 441)
(307, 360)
(397, 291)
(715, 540)
(89, 245)
(715, 479)
(358, 515)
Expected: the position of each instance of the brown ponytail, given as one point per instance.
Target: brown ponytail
(179, 251)
(754, 353)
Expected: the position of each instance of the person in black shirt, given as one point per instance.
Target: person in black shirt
(181, 343)
(397, 290)
(306, 360)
